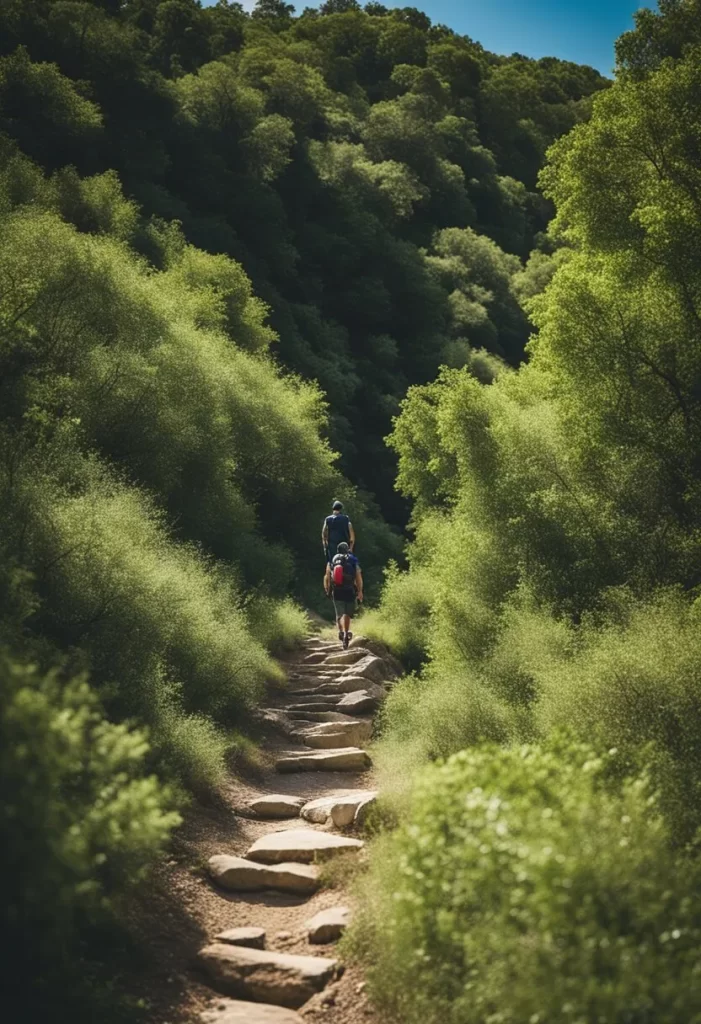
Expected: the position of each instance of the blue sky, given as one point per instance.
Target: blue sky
(584, 31)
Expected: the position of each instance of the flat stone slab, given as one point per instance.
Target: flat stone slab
(320, 704)
(302, 845)
(254, 938)
(346, 759)
(359, 702)
(328, 925)
(326, 735)
(318, 716)
(232, 1011)
(340, 808)
(237, 874)
(315, 658)
(348, 657)
(277, 805)
(263, 976)
(347, 684)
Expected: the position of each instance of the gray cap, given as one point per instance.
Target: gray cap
(342, 548)
(337, 505)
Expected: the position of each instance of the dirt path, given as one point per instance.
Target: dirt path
(190, 902)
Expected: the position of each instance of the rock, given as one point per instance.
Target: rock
(320, 704)
(327, 735)
(239, 875)
(277, 806)
(379, 649)
(340, 808)
(370, 667)
(263, 976)
(301, 845)
(347, 684)
(237, 1012)
(319, 716)
(359, 702)
(328, 925)
(347, 759)
(348, 657)
(315, 658)
(254, 938)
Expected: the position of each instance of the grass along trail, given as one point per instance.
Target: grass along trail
(272, 858)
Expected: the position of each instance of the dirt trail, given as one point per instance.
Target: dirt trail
(191, 908)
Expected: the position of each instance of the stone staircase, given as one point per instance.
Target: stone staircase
(325, 715)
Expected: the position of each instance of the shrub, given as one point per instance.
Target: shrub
(523, 888)
(633, 682)
(81, 821)
(278, 625)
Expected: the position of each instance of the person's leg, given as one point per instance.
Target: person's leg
(347, 612)
(338, 611)
(350, 611)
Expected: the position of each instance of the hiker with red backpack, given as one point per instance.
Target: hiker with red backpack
(344, 583)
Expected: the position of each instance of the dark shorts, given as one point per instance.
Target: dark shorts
(344, 604)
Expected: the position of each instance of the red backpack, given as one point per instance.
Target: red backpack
(342, 571)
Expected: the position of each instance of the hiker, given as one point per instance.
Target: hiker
(337, 528)
(343, 582)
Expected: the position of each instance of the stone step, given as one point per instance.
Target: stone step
(237, 874)
(277, 805)
(254, 938)
(301, 845)
(321, 704)
(330, 735)
(341, 808)
(319, 716)
(329, 699)
(328, 925)
(347, 759)
(360, 702)
(315, 658)
(349, 684)
(263, 976)
(229, 1011)
(348, 657)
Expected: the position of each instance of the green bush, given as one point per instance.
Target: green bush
(278, 625)
(81, 823)
(632, 680)
(524, 888)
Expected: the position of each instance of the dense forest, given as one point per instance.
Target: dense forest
(252, 263)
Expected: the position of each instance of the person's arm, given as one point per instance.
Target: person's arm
(351, 534)
(325, 535)
(327, 580)
(359, 583)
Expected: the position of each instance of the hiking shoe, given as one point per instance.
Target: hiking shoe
(341, 635)
(349, 637)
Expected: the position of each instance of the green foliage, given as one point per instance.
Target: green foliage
(82, 822)
(322, 153)
(279, 625)
(522, 887)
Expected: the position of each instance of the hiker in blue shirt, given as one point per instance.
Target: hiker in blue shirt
(337, 528)
(343, 582)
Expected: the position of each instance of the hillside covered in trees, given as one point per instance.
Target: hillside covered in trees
(347, 159)
(238, 251)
